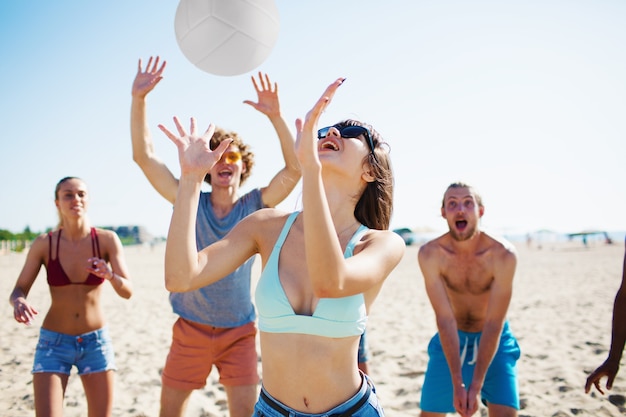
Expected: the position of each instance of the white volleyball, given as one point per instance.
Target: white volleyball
(227, 37)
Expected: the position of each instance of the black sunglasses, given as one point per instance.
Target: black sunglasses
(349, 132)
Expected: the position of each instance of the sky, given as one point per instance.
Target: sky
(525, 100)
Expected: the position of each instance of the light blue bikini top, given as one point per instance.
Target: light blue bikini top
(333, 317)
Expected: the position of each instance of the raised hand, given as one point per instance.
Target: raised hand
(306, 139)
(146, 80)
(194, 152)
(99, 268)
(267, 96)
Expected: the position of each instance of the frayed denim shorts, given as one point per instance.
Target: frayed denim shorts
(90, 352)
(363, 404)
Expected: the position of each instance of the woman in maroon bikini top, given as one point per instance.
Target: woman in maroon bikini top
(78, 259)
(57, 276)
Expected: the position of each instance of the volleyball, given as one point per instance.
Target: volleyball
(226, 37)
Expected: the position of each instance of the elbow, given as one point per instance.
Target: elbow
(294, 172)
(140, 158)
(172, 284)
(323, 293)
(128, 293)
(328, 290)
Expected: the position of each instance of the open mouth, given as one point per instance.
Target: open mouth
(225, 173)
(461, 224)
(329, 145)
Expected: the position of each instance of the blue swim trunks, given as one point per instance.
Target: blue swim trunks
(363, 349)
(500, 386)
(90, 352)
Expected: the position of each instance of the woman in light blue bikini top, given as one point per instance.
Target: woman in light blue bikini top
(322, 267)
(332, 317)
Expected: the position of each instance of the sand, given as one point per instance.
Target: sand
(561, 313)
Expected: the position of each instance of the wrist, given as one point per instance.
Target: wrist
(116, 280)
(138, 96)
(191, 179)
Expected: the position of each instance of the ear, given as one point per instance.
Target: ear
(481, 211)
(367, 175)
(443, 212)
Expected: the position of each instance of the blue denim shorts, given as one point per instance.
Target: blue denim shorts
(363, 404)
(90, 352)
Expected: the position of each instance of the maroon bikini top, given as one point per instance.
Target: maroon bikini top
(57, 276)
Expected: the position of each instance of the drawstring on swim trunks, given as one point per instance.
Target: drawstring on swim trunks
(474, 354)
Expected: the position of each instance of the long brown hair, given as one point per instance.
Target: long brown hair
(375, 205)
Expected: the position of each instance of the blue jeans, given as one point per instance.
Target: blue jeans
(90, 352)
(363, 404)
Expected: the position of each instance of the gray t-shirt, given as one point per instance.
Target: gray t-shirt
(227, 302)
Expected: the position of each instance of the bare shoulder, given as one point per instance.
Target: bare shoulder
(265, 217)
(40, 245)
(430, 250)
(41, 239)
(501, 247)
(384, 235)
(110, 244)
(107, 235)
(387, 241)
(262, 222)
(503, 255)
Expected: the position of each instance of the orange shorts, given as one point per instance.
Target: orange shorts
(197, 347)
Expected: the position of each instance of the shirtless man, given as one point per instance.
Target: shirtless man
(469, 278)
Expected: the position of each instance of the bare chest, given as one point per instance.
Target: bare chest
(468, 275)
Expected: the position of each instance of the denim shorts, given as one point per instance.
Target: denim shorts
(90, 352)
(363, 404)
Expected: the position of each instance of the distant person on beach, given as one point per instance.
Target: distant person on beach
(216, 324)
(323, 267)
(79, 259)
(468, 276)
(610, 367)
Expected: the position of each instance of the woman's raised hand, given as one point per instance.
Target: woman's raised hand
(306, 139)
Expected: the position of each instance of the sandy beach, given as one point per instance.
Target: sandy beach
(560, 312)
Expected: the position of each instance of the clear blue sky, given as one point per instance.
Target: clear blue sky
(525, 100)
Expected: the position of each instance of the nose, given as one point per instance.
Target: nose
(333, 131)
